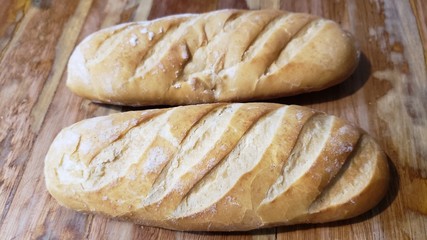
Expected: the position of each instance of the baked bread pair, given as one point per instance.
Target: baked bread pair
(217, 166)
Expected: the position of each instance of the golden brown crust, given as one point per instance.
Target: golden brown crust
(227, 55)
(296, 196)
(217, 167)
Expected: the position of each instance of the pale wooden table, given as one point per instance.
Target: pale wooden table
(386, 96)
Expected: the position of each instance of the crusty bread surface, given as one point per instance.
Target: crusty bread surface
(217, 167)
(221, 56)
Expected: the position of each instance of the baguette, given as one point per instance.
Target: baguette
(222, 56)
(217, 167)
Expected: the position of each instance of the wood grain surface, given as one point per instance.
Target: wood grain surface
(386, 96)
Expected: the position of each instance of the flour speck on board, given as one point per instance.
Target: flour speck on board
(144, 31)
(156, 157)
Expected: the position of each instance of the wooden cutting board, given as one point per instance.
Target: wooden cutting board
(386, 96)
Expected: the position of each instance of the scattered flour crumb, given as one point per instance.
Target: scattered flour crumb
(144, 31)
(211, 209)
(104, 198)
(273, 166)
(179, 187)
(133, 40)
(132, 177)
(230, 72)
(347, 148)
(177, 85)
(108, 86)
(216, 54)
(150, 36)
(67, 139)
(162, 67)
(184, 53)
(372, 32)
(232, 201)
(192, 82)
(211, 163)
(344, 130)
(85, 146)
(156, 157)
(299, 116)
(329, 169)
(161, 30)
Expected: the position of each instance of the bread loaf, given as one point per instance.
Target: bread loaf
(217, 167)
(222, 56)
